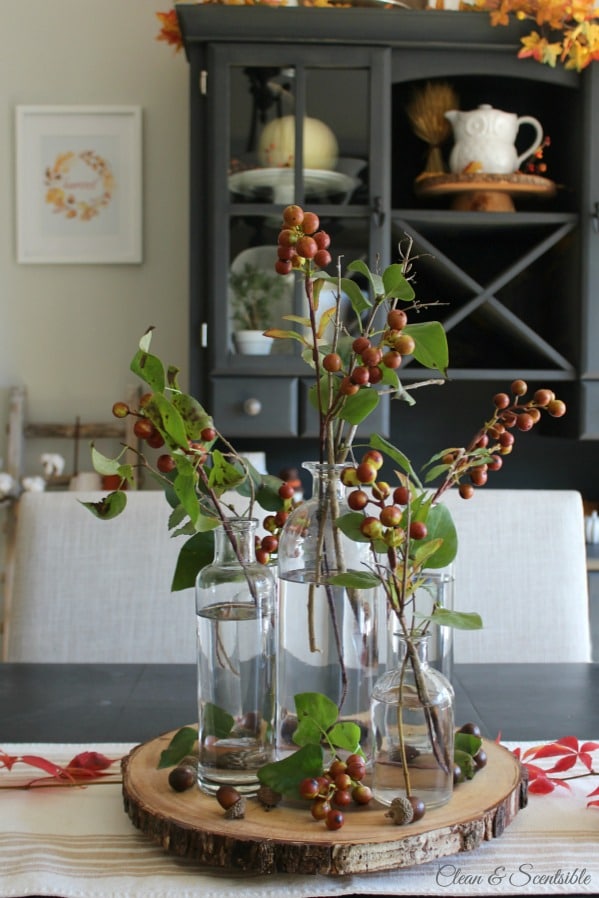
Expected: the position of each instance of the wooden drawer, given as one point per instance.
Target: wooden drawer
(256, 406)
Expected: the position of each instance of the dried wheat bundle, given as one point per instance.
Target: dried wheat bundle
(426, 111)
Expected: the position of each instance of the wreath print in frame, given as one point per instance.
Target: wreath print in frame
(79, 191)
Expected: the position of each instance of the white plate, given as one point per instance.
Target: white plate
(317, 183)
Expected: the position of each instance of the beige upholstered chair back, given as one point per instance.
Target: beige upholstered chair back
(85, 590)
(522, 565)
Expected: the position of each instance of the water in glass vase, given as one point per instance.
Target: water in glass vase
(328, 644)
(236, 648)
(413, 732)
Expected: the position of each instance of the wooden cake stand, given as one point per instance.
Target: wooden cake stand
(287, 840)
(479, 192)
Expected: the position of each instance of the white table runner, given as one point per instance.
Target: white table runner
(79, 843)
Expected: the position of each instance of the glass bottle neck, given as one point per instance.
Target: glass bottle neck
(420, 643)
(234, 542)
(325, 477)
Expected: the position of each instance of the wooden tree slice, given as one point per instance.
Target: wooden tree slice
(287, 840)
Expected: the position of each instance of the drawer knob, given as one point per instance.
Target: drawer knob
(252, 407)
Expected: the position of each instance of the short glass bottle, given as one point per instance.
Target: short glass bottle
(413, 729)
(236, 648)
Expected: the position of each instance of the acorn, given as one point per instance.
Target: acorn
(232, 802)
(401, 811)
(182, 777)
(268, 797)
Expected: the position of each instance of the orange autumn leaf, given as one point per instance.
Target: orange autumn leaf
(169, 29)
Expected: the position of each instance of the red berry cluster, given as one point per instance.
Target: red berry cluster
(338, 787)
(145, 430)
(386, 525)
(497, 437)
(268, 545)
(467, 468)
(301, 240)
(371, 357)
(536, 165)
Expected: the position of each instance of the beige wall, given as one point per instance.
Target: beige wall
(68, 332)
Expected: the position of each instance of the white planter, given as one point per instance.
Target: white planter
(252, 343)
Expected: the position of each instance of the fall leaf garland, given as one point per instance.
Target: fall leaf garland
(570, 752)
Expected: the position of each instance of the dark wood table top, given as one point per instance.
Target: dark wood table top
(136, 702)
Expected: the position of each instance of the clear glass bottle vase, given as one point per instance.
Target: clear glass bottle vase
(328, 635)
(413, 729)
(236, 646)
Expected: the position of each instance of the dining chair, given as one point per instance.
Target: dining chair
(87, 590)
(521, 564)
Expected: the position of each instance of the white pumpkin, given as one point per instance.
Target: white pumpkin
(276, 148)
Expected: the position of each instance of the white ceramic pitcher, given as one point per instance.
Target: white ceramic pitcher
(487, 136)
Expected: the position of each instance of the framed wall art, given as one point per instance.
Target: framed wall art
(79, 184)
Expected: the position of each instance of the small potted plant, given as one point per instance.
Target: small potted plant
(254, 291)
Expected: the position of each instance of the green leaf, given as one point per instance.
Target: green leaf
(216, 721)
(181, 745)
(267, 494)
(375, 280)
(396, 285)
(150, 369)
(435, 472)
(313, 708)
(184, 486)
(424, 550)
(388, 449)
(459, 620)
(104, 465)
(195, 418)
(109, 507)
(349, 524)
(358, 301)
(345, 735)
(196, 553)
(356, 408)
(167, 418)
(440, 525)
(355, 580)
(284, 776)
(278, 334)
(223, 475)
(431, 344)
(467, 742)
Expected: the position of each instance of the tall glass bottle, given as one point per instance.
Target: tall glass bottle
(328, 635)
(413, 729)
(236, 646)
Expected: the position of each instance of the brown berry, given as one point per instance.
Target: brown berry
(334, 819)
(418, 807)
(519, 387)
(418, 530)
(120, 409)
(543, 397)
(165, 463)
(332, 362)
(310, 223)
(397, 319)
(556, 408)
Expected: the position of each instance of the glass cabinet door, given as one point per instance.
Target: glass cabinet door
(288, 125)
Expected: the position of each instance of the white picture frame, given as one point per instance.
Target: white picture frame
(79, 184)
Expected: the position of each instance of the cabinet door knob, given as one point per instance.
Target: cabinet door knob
(252, 407)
